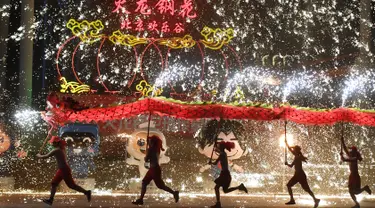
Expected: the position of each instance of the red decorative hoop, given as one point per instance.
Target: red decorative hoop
(98, 64)
(237, 57)
(226, 65)
(58, 55)
(136, 64)
(143, 53)
(73, 67)
(164, 62)
(202, 72)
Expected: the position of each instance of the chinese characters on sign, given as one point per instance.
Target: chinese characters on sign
(164, 27)
(119, 6)
(178, 10)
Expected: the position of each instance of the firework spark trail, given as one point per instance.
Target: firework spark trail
(248, 24)
(27, 118)
(360, 86)
(253, 78)
(288, 28)
(175, 74)
(310, 82)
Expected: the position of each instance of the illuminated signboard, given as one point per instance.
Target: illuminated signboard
(150, 16)
(143, 23)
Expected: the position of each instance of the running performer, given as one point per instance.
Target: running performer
(64, 172)
(352, 158)
(299, 175)
(225, 178)
(154, 173)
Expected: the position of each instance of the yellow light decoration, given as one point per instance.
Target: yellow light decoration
(73, 87)
(215, 39)
(145, 89)
(238, 94)
(178, 43)
(88, 32)
(119, 38)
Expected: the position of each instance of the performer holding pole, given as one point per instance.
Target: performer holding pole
(154, 173)
(225, 178)
(352, 158)
(64, 172)
(299, 175)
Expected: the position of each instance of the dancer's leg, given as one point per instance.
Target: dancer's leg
(352, 194)
(306, 187)
(228, 190)
(217, 193)
(293, 181)
(53, 192)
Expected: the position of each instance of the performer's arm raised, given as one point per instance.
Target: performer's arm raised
(344, 146)
(50, 154)
(287, 145)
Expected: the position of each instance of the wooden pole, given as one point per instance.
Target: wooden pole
(148, 130)
(342, 136)
(285, 149)
(216, 135)
(45, 140)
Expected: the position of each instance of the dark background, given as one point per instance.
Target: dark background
(262, 29)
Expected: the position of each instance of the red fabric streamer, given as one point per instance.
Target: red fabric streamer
(198, 111)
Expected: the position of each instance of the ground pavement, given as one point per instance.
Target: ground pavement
(30, 200)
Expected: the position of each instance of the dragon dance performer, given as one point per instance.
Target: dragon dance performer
(154, 173)
(64, 172)
(225, 178)
(299, 175)
(354, 179)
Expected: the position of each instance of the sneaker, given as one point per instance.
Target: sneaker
(316, 203)
(290, 202)
(48, 201)
(368, 190)
(243, 188)
(217, 205)
(88, 195)
(176, 196)
(138, 202)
